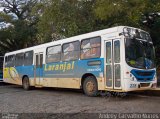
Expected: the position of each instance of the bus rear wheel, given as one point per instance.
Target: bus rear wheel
(25, 83)
(90, 87)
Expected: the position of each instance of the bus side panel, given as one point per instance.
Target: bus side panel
(69, 74)
(14, 75)
(93, 66)
(26, 71)
(61, 74)
(10, 75)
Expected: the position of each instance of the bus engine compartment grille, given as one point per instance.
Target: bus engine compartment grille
(144, 84)
(144, 73)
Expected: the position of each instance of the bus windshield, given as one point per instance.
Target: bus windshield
(139, 53)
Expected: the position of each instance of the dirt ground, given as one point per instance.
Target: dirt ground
(13, 99)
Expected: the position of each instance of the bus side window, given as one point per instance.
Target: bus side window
(117, 51)
(28, 58)
(91, 48)
(53, 54)
(71, 51)
(19, 59)
(37, 60)
(6, 61)
(11, 61)
(41, 60)
(108, 52)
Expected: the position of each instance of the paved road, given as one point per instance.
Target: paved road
(13, 99)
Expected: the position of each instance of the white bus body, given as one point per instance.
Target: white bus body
(101, 56)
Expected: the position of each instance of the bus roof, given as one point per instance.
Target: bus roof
(74, 38)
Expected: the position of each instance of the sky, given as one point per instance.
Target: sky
(1, 9)
(2, 24)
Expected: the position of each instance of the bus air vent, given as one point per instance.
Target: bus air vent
(142, 75)
(145, 84)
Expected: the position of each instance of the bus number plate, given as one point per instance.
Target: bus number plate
(133, 85)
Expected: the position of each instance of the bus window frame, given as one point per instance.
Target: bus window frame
(71, 51)
(6, 60)
(25, 58)
(47, 52)
(16, 59)
(13, 62)
(91, 48)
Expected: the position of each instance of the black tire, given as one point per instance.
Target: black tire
(90, 86)
(26, 84)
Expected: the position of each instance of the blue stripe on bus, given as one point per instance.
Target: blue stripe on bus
(70, 69)
(25, 70)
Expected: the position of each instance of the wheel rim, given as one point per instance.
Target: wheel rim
(90, 86)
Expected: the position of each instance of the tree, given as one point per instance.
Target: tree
(21, 25)
(125, 12)
(152, 22)
(65, 18)
(137, 13)
(20, 8)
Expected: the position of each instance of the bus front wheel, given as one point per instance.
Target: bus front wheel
(90, 87)
(25, 83)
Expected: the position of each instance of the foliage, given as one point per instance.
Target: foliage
(125, 12)
(21, 30)
(137, 13)
(66, 18)
(20, 8)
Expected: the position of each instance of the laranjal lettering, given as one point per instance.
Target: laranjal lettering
(59, 67)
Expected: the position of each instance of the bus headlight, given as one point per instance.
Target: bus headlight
(155, 78)
(132, 79)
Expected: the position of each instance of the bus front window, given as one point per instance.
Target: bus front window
(139, 53)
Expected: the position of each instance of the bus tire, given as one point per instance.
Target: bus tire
(90, 86)
(25, 83)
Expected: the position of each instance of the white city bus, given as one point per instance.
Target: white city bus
(118, 59)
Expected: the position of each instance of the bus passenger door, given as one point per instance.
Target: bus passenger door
(38, 73)
(113, 64)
